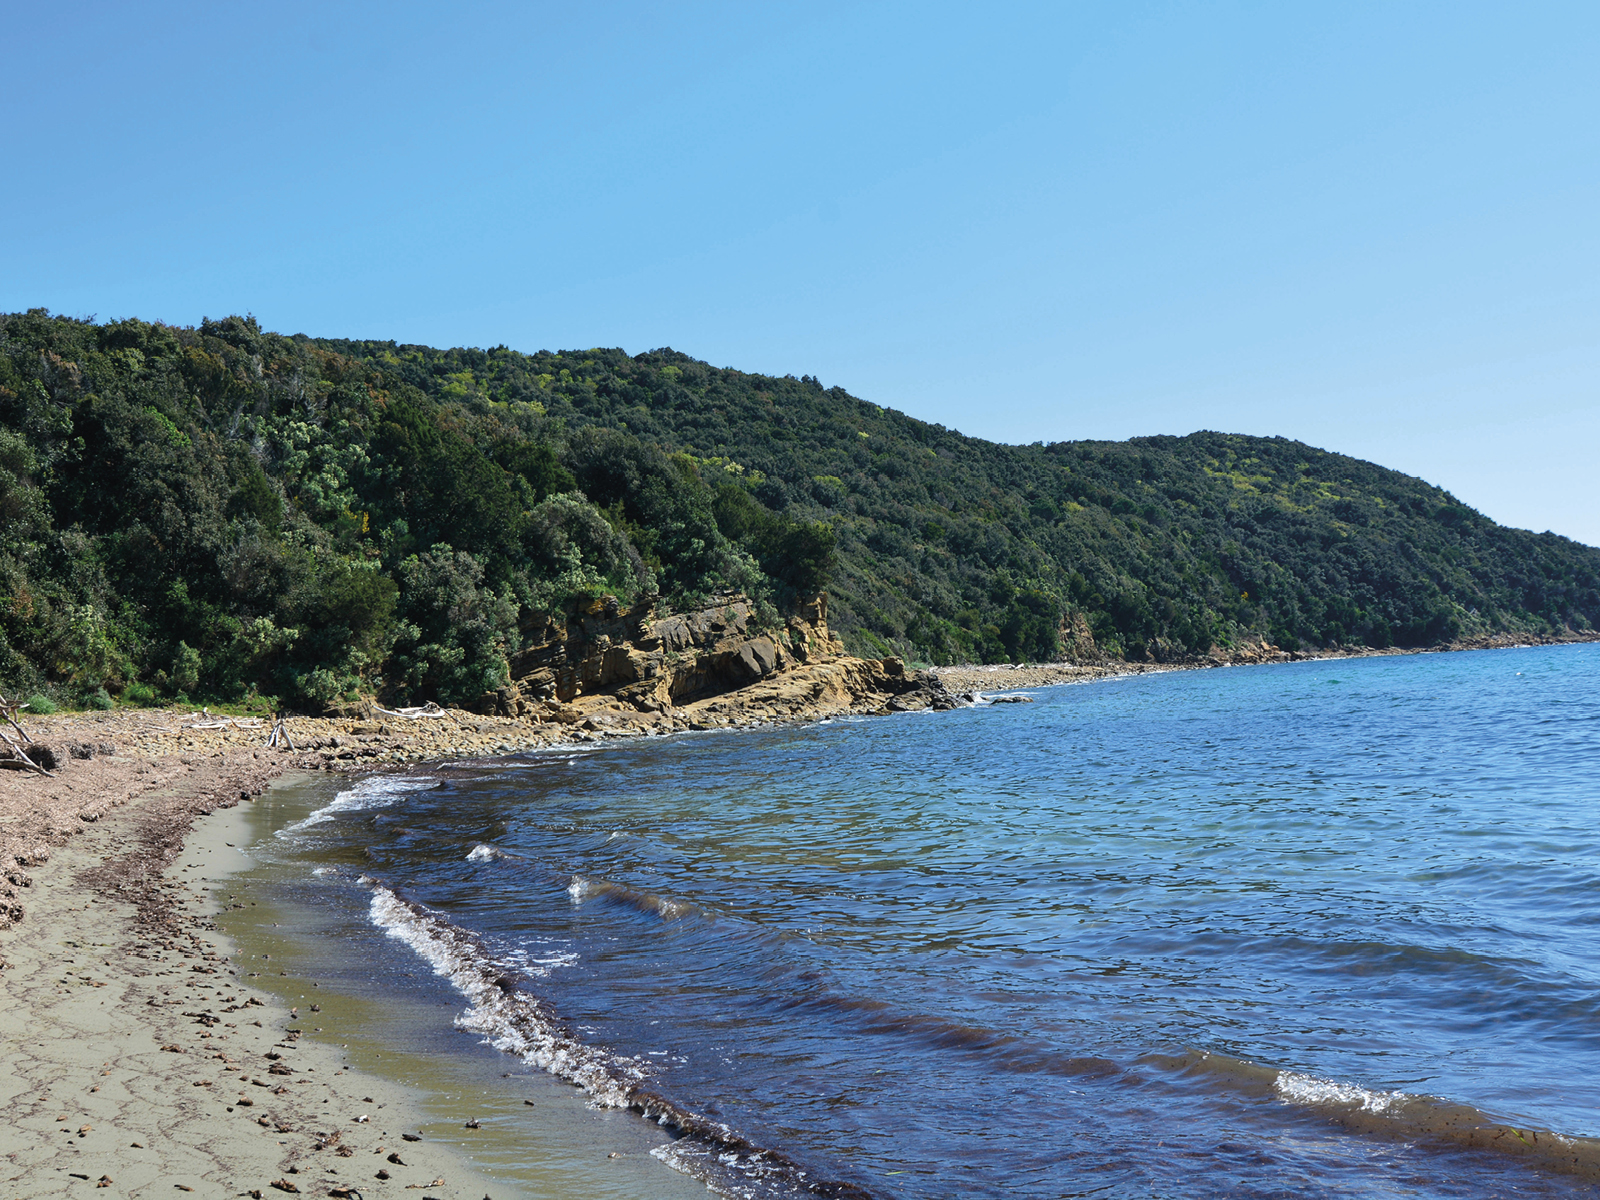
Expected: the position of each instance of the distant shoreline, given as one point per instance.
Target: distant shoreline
(1022, 676)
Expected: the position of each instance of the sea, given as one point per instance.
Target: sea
(1325, 928)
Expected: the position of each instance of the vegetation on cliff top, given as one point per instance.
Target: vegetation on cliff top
(219, 511)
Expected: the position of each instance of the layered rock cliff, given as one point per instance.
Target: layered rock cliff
(651, 670)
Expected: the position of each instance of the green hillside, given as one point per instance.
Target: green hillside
(219, 511)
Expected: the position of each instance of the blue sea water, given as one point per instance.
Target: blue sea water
(1318, 929)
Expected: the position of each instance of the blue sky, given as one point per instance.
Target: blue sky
(1371, 227)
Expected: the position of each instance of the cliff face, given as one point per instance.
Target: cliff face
(654, 670)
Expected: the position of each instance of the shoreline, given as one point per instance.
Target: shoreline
(137, 1058)
(1005, 677)
(112, 954)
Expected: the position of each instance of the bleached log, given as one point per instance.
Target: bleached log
(429, 709)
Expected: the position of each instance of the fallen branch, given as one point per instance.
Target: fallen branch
(16, 751)
(430, 709)
(11, 708)
(227, 723)
(280, 736)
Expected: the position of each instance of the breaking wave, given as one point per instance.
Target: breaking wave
(665, 907)
(376, 791)
(517, 1022)
(1400, 1115)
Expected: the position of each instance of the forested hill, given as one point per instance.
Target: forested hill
(217, 511)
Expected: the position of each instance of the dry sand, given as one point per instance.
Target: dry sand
(134, 1059)
(134, 1056)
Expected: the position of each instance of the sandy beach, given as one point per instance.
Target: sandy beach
(136, 1058)
(135, 1053)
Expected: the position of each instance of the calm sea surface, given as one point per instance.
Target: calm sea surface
(1322, 929)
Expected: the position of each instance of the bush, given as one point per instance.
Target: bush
(99, 699)
(141, 694)
(41, 705)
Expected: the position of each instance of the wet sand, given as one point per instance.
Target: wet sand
(141, 1054)
(136, 1059)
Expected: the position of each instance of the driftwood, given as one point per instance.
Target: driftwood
(11, 708)
(279, 736)
(16, 752)
(430, 709)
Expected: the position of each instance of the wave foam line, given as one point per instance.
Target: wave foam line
(1393, 1114)
(376, 791)
(516, 1022)
(649, 903)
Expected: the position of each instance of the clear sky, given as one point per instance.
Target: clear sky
(1369, 226)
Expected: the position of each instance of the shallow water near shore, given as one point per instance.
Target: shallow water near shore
(301, 932)
(1318, 929)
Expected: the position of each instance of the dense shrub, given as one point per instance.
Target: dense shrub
(220, 511)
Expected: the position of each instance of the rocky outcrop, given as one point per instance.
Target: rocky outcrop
(655, 670)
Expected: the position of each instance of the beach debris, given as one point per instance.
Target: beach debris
(279, 737)
(382, 1174)
(473, 1123)
(430, 709)
(411, 1137)
(283, 1185)
(183, 1187)
(394, 1157)
(10, 708)
(19, 755)
(342, 1192)
(362, 1119)
(224, 722)
(104, 1181)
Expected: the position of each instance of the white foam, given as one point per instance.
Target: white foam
(516, 1022)
(1309, 1090)
(377, 791)
(541, 962)
(509, 1019)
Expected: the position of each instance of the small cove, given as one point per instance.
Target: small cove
(1253, 932)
